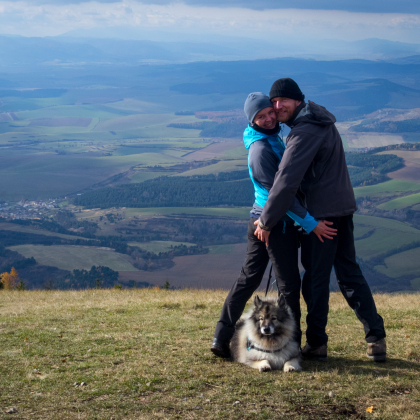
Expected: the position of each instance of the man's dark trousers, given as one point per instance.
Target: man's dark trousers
(283, 253)
(318, 259)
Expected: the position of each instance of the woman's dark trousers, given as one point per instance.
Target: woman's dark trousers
(318, 259)
(283, 253)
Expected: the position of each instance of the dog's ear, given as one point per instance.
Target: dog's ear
(281, 301)
(257, 301)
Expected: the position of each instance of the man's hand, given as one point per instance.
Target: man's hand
(261, 234)
(322, 230)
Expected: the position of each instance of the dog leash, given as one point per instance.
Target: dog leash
(269, 279)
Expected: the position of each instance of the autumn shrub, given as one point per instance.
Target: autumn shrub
(9, 280)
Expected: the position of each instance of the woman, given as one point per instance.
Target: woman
(266, 149)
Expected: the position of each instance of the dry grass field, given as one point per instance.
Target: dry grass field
(144, 354)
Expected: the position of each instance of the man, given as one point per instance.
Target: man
(314, 164)
(265, 151)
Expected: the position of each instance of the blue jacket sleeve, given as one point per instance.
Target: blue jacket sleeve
(301, 216)
(264, 165)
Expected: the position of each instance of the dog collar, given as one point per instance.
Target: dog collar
(250, 346)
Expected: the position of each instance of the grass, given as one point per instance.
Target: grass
(221, 249)
(240, 212)
(28, 229)
(223, 166)
(71, 257)
(402, 264)
(401, 202)
(144, 354)
(386, 188)
(387, 234)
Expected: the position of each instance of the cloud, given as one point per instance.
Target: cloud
(362, 6)
(30, 19)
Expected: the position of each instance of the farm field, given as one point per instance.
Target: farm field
(404, 263)
(386, 235)
(28, 229)
(216, 270)
(412, 165)
(223, 166)
(387, 188)
(361, 140)
(402, 202)
(239, 212)
(71, 257)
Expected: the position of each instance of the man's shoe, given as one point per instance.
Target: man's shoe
(377, 351)
(220, 349)
(318, 354)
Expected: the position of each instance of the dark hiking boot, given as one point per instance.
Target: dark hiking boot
(377, 351)
(318, 354)
(220, 349)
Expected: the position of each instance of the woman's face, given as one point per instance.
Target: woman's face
(266, 118)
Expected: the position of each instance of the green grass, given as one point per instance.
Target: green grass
(221, 249)
(386, 188)
(222, 166)
(144, 176)
(144, 354)
(402, 264)
(49, 175)
(28, 229)
(69, 257)
(236, 153)
(345, 142)
(388, 234)
(239, 212)
(159, 246)
(400, 203)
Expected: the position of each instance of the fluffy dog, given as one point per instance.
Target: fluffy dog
(264, 337)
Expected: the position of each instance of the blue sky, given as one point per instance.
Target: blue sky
(261, 19)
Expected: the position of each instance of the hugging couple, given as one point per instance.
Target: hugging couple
(303, 182)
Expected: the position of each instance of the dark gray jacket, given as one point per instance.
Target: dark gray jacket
(314, 161)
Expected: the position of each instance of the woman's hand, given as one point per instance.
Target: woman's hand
(322, 230)
(261, 234)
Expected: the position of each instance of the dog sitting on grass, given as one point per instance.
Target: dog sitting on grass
(264, 337)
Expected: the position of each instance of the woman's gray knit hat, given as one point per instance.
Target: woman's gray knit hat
(255, 102)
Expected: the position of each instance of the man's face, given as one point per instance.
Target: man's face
(266, 118)
(284, 108)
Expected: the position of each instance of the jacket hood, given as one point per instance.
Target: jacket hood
(251, 135)
(314, 114)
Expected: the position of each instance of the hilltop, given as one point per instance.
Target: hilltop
(144, 354)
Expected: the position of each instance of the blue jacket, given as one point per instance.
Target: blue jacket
(264, 156)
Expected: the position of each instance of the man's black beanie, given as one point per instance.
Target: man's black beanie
(286, 88)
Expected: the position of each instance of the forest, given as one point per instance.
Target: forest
(224, 189)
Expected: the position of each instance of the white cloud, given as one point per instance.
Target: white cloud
(24, 18)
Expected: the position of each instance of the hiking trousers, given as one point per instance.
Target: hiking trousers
(318, 259)
(283, 253)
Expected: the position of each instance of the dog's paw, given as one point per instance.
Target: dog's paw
(292, 366)
(264, 366)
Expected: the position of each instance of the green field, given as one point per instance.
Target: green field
(387, 188)
(402, 264)
(238, 212)
(223, 166)
(221, 249)
(159, 246)
(400, 203)
(28, 229)
(388, 235)
(69, 257)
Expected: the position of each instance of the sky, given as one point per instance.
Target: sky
(348, 20)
